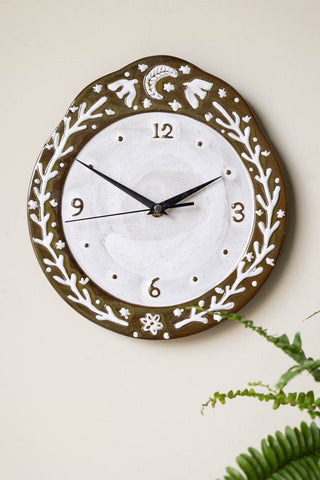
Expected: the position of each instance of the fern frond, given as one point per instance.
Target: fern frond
(292, 455)
(293, 350)
(304, 401)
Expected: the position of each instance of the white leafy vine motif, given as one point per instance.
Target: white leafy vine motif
(268, 202)
(59, 141)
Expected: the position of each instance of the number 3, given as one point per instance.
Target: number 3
(238, 208)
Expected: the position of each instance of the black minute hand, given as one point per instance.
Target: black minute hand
(145, 201)
(177, 198)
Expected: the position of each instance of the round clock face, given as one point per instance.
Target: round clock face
(153, 215)
(190, 249)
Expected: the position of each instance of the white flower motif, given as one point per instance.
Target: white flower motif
(281, 213)
(222, 92)
(147, 103)
(151, 323)
(109, 111)
(246, 119)
(53, 203)
(270, 261)
(73, 109)
(83, 281)
(208, 116)
(177, 312)
(142, 67)
(175, 105)
(168, 87)
(124, 312)
(60, 245)
(97, 88)
(249, 256)
(185, 69)
(33, 204)
(259, 212)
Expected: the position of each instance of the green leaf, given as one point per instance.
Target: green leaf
(276, 462)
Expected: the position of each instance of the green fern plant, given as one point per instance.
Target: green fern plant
(294, 454)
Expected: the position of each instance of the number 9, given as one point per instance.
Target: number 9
(78, 204)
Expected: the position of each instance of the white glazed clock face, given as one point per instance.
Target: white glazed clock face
(173, 258)
(132, 141)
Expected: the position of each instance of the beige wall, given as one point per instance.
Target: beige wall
(77, 401)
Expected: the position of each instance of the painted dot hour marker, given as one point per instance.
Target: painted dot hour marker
(194, 279)
(228, 172)
(225, 252)
(91, 166)
(86, 245)
(114, 276)
(199, 144)
(120, 138)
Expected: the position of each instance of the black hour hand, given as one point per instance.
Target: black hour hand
(177, 198)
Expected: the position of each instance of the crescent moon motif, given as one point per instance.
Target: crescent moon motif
(152, 78)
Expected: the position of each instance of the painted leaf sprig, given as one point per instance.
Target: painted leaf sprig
(292, 455)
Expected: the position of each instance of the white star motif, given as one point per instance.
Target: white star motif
(33, 204)
(97, 88)
(281, 213)
(147, 103)
(175, 105)
(168, 87)
(249, 256)
(124, 312)
(142, 67)
(222, 92)
(185, 69)
(60, 245)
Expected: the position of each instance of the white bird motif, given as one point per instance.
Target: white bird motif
(126, 88)
(196, 88)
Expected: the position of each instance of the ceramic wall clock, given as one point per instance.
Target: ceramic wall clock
(157, 193)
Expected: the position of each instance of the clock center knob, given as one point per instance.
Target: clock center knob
(157, 210)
